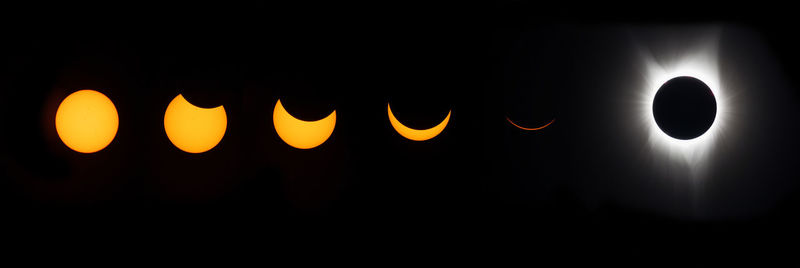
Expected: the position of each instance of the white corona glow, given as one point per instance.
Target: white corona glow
(699, 62)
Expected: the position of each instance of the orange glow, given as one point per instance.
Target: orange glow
(194, 129)
(87, 121)
(302, 134)
(417, 134)
(535, 128)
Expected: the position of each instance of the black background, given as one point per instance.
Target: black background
(577, 182)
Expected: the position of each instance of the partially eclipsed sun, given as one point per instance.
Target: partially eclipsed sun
(194, 129)
(416, 134)
(530, 128)
(302, 134)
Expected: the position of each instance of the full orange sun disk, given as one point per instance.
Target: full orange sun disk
(87, 121)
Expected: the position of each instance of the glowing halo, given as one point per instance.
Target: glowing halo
(700, 63)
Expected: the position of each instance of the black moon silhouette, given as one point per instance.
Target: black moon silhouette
(684, 108)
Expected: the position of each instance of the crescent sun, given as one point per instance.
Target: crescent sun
(526, 128)
(416, 134)
(302, 134)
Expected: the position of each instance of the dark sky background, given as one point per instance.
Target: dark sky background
(590, 176)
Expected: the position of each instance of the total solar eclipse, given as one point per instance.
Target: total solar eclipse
(684, 108)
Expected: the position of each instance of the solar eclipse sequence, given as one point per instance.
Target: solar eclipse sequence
(665, 129)
(87, 120)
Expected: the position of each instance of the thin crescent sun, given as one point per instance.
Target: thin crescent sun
(302, 134)
(194, 129)
(416, 134)
(535, 128)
